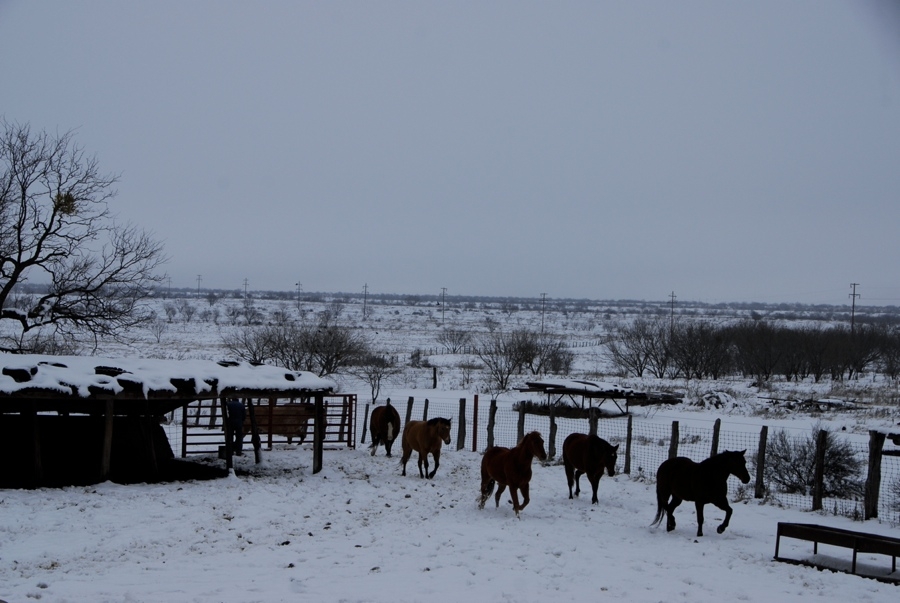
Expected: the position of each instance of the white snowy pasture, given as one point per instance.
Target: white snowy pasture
(359, 531)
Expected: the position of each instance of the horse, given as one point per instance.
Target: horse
(704, 482)
(510, 467)
(384, 427)
(425, 437)
(588, 454)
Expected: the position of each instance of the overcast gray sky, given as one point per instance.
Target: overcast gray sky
(726, 151)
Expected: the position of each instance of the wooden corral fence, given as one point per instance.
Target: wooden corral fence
(280, 420)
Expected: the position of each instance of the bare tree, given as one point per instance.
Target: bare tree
(502, 355)
(56, 226)
(375, 369)
(454, 340)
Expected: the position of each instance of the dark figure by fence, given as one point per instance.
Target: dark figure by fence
(384, 427)
(236, 415)
(705, 482)
(591, 455)
(510, 467)
(425, 437)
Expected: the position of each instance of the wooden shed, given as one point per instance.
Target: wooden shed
(68, 420)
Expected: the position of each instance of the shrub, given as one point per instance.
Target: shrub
(791, 464)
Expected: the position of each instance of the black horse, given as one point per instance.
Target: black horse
(705, 482)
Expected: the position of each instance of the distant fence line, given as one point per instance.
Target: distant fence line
(471, 350)
(477, 426)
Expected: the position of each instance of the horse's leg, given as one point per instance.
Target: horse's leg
(670, 513)
(437, 462)
(407, 452)
(723, 504)
(515, 500)
(700, 506)
(387, 447)
(578, 474)
(525, 498)
(595, 483)
(374, 444)
(570, 476)
(500, 488)
(423, 460)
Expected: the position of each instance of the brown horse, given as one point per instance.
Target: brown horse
(510, 467)
(588, 454)
(425, 437)
(705, 482)
(384, 427)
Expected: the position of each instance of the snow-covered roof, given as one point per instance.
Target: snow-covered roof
(90, 376)
(595, 389)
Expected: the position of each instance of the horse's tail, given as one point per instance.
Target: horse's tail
(487, 488)
(661, 499)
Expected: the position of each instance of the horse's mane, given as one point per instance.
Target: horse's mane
(438, 421)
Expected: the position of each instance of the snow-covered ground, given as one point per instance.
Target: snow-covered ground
(359, 531)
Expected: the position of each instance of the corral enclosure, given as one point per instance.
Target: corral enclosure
(279, 532)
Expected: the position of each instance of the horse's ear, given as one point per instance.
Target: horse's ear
(616, 448)
(743, 451)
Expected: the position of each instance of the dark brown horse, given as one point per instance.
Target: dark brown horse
(384, 427)
(425, 437)
(588, 454)
(705, 482)
(510, 467)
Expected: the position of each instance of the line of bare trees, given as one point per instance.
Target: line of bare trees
(756, 348)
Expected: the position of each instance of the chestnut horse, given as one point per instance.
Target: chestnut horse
(510, 467)
(384, 427)
(705, 482)
(588, 454)
(425, 437)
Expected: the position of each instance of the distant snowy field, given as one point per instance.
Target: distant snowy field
(359, 531)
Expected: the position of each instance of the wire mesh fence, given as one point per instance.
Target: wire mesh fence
(649, 443)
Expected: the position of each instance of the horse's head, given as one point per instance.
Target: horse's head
(738, 466)
(535, 444)
(442, 427)
(612, 455)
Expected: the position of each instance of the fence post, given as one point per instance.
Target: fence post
(520, 429)
(715, 442)
(461, 429)
(492, 417)
(551, 444)
(409, 405)
(434, 377)
(475, 423)
(425, 411)
(759, 490)
(592, 420)
(673, 443)
(819, 475)
(873, 479)
(362, 440)
(627, 470)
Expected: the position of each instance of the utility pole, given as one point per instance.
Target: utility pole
(443, 303)
(543, 299)
(672, 313)
(246, 282)
(169, 287)
(365, 298)
(199, 278)
(299, 288)
(853, 297)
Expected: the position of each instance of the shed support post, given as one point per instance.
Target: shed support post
(107, 441)
(461, 426)
(319, 433)
(760, 486)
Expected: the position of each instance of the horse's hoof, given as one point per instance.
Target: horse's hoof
(669, 528)
(720, 529)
